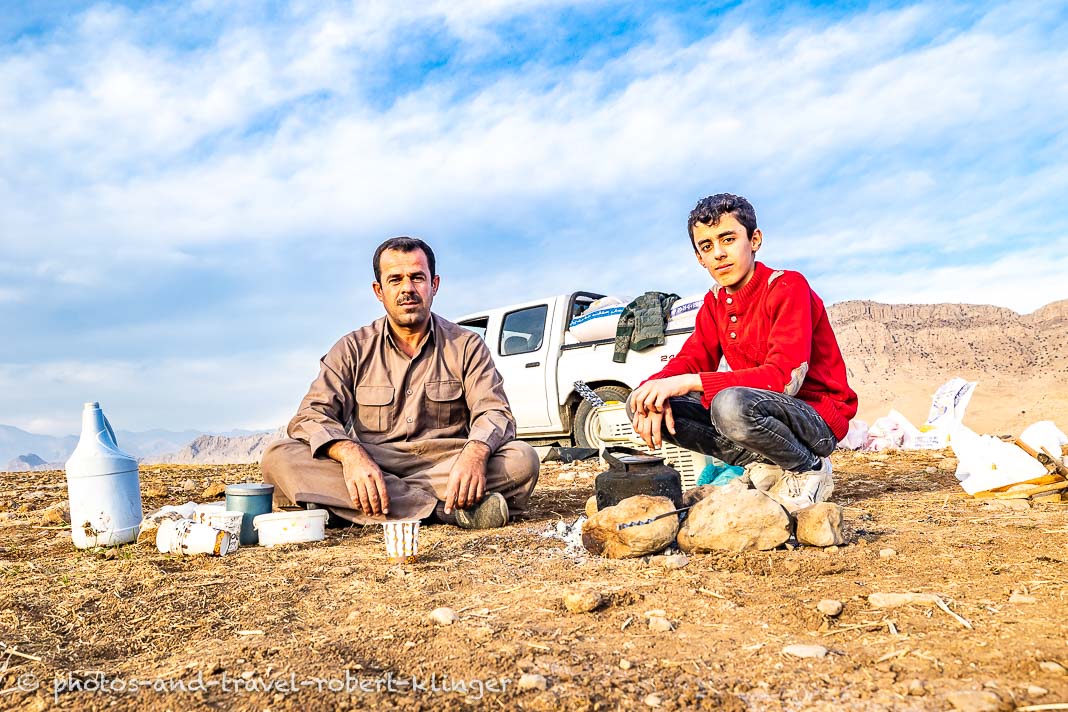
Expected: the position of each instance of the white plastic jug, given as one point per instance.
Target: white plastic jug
(103, 486)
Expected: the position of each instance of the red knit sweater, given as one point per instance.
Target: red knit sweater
(774, 335)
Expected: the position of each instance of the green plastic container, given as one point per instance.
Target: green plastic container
(253, 499)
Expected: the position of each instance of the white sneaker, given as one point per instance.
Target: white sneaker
(797, 490)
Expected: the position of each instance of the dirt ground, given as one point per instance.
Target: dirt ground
(293, 627)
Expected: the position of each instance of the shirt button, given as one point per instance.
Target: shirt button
(732, 335)
(409, 391)
(730, 300)
(410, 420)
(733, 318)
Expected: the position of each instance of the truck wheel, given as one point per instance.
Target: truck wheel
(585, 428)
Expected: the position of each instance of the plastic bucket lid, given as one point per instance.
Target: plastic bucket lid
(250, 489)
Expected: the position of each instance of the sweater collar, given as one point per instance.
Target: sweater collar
(760, 277)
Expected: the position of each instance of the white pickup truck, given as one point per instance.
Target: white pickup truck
(540, 360)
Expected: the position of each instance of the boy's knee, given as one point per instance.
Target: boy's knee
(730, 413)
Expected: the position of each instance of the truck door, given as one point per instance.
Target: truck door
(521, 356)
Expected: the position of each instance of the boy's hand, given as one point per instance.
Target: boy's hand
(651, 396)
(649, 427)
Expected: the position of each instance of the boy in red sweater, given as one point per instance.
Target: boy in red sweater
(785, 398)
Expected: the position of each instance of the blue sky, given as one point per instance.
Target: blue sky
(190, 192)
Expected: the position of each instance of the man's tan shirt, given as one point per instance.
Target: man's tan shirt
(370, 391)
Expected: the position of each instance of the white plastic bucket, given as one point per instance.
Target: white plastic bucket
(291, 527)
(103, 486)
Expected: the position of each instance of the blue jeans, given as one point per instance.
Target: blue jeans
(746, 425)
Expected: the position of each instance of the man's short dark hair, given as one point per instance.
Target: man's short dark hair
(403, 244)
(709, 210)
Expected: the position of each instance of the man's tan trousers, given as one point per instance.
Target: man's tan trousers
(416, 474)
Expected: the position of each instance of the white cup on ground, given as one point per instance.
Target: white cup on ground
(402, 540)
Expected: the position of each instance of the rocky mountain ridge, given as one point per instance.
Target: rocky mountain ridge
(898, 354)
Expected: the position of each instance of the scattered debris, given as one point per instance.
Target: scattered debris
(670, 561)
(820, 525)
(444, 616)
(887, 553)
(977, 701)
(531, 681)
(583, 601)
(830, 607)
(653, 700)
(659, 624)
(802, 650)
(1053, 667)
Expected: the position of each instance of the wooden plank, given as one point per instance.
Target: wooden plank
(1037, 489)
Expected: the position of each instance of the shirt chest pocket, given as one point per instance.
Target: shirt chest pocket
(374, 408)
(444, 403)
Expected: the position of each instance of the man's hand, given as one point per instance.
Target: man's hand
(367, 487)
(467, 480)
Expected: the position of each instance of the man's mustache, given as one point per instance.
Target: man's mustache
(404, 301)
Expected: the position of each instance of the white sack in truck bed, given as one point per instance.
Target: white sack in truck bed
(600, 319)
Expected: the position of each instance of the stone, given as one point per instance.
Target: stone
(566, 477)
(735, 518)
(659, 624)
(600, 536)
(1036, 691)
(625, 664)
(532, 681)
(763, 475)
(948, 464)
(930, 470)
(443, 616)
(820, 525)
(830, 607)
(670, 561)
(583, 601)
(695, 494)
(801, 650)
(56, 514)
(188, 485)
(154, 491)
(215, 489)
(887, 553)
(1052, 667)
(1021, 598)
(1014, 505)
(896, 600)
(653, 700)
(917, 688)
(976, 701)
(591, 506)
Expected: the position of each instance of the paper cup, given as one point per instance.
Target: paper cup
(229, 522)
(402, 540)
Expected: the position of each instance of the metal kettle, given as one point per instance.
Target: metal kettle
(632, 472)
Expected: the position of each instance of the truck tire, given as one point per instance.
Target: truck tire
(583, 430)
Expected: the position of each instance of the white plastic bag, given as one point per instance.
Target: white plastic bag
(985, 462)
(856, 437)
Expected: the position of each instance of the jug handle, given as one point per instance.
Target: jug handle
(607, 455)
(110, 431)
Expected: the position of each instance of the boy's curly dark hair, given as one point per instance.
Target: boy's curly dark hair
(709, 210)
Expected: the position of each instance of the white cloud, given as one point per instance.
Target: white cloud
(900, 143)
